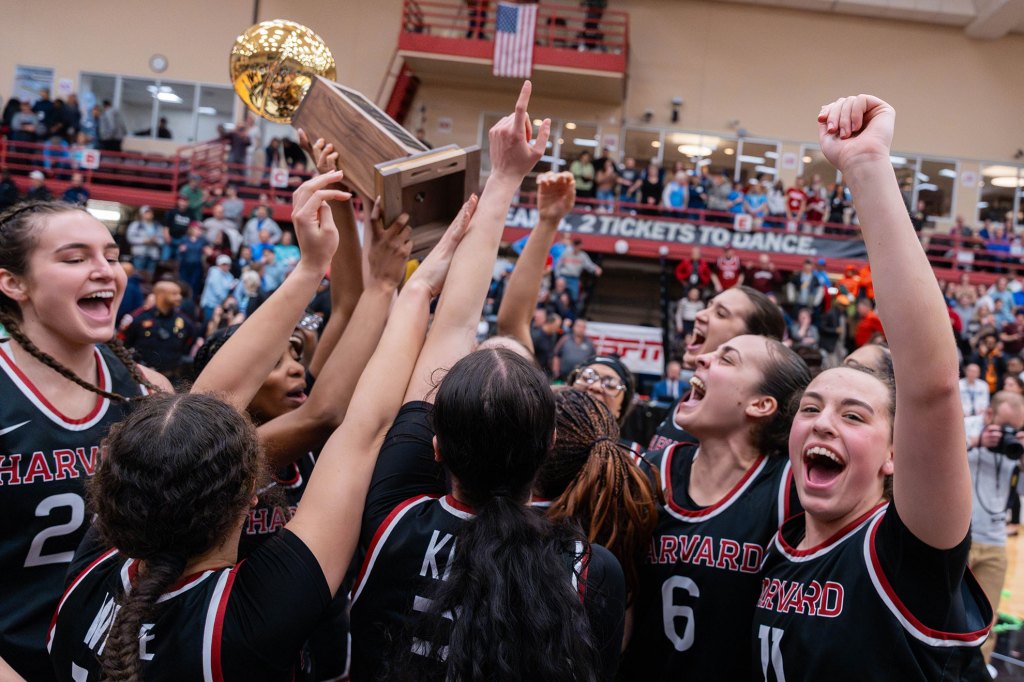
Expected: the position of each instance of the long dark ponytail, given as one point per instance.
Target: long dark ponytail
(175, 477)
(517, 614)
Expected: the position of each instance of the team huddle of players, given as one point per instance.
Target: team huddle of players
(408, 505)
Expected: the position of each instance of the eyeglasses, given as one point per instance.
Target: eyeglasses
(611, 385)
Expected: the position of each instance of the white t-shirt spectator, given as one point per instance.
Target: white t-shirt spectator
(974, 397)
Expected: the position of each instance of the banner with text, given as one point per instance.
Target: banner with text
(639, 347)
(653, 228)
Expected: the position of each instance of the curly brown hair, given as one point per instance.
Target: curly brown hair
(175, 478)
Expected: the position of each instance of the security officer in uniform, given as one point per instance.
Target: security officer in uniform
(162, 336)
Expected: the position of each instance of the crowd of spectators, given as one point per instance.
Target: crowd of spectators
(991, 246)
(204, 265)
(50, 136)
(606, 185)
(989, 325)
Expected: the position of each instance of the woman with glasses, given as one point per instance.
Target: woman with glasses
(608, 380)
(725, 499)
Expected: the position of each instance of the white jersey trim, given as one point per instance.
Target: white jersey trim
(195, 580)
(379, 543)
(210, 626)
(103, 557)
(577, 566)
(717, 508)
(33, 395)
(928, 637)
(822, 550)
(448, 507)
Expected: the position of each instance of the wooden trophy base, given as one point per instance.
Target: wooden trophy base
(431, 187)
(381, 158)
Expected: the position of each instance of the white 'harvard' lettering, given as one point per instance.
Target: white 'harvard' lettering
(722, 553)
(811, 599)
(57, 465)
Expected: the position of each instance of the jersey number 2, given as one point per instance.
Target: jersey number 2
(35, 552)
(670, 611)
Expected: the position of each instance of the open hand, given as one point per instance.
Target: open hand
(388, 248)
(511, 153)
(314, 225)
(556, 195)
(434, 268)
(853, 130)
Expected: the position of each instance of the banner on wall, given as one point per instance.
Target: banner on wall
(639, 347)
(663, 231)
(29, 80)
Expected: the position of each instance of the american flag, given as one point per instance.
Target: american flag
(513, 42)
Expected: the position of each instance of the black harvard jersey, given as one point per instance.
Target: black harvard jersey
(700, 579)
(669, 432)
(45, 458)
(277, 502)
(325, 656)
(871, 603)
(412, 542)
(246, 622)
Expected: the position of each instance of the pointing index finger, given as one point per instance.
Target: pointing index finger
(522, 104)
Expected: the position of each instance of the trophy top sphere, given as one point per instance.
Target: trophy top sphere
(272, 65)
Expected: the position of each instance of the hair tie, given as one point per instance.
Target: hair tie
(601, 439)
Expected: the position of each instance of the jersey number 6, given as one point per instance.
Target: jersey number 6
(670, 611)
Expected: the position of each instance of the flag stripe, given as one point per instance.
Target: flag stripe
(515, 28)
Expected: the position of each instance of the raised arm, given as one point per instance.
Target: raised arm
(347, 263)
(238, 371)
(453, 331)
(931, 484)
(292, 434)
(556, 195)
(328, 518)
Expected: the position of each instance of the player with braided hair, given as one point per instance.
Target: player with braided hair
(590, 477)
(64, 380)
(157, 592)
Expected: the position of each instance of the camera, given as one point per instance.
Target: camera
(1008, 445)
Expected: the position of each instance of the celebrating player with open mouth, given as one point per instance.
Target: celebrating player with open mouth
(725, 499)
(64, 381)
(871, 582)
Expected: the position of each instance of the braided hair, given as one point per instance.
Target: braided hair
(593, 480)
(18, 228)
(176, 476)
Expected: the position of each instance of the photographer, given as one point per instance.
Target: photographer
(995, 448)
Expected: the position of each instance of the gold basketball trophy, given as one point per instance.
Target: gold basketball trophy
(285, 73)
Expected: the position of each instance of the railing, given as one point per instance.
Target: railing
(140, 171)
(951, 254)
(560, 26)
(134, 179)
